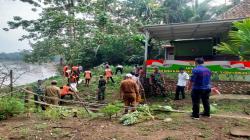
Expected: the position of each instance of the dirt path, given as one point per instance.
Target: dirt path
(231, 97)
(181, 128)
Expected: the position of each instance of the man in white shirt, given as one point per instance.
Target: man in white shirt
(183, 79)
(119, 68)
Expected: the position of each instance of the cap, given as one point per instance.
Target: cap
(53, 82)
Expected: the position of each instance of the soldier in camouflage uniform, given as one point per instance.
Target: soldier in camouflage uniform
(157, 81)
(101, 88)
(38, 89)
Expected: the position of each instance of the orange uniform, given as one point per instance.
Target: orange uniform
(75, 69)
(65, 90)
(87, 74)
(73, 78)
(108, 73)
(65, 68)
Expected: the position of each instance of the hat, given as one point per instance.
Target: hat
(129, 75)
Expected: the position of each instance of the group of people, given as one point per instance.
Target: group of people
(199, 84)
(50, 95)
(131, 88)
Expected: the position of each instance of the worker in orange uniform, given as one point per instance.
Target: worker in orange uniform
(76, 71)
(65, 68)
(129, 92)
(73, 81)
(66, 90)
(88, 76)
(108, 74)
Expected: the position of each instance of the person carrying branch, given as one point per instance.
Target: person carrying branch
(53, 92)
(129, 92)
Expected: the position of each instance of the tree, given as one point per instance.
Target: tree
(88, 31)
(239, 41)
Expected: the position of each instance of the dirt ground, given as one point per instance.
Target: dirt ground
(180, 128)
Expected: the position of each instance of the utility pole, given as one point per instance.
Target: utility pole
(11, 81)
(146, 36)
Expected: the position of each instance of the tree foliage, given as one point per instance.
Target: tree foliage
(89, 31)
(239, 43)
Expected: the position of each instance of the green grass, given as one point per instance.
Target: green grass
(236, 106)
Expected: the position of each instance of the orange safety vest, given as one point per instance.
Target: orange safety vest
(87, 74)
(73, 78)
(65, 68)
(65, 90)
(75, 68)
(108, 72)
(67, 73)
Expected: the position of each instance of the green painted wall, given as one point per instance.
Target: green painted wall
(193, 47)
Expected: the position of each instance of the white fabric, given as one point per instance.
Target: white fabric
(73, 86)
(135, 78)
(182, 79)
(129, 75)
(119, 66)
(80, 68)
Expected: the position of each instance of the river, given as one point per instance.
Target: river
(24, 73)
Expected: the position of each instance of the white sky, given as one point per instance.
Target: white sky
(9, 40)
(9, 8)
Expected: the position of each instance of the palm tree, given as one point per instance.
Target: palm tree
(239, 43)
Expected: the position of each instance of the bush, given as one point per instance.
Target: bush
(54, 113)
(110, 110)
(10, 106)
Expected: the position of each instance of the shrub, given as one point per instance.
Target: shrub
(110, 110)
(54, 113)
(10, 106)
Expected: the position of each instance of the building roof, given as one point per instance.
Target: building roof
(189, 30)
(241, 10)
